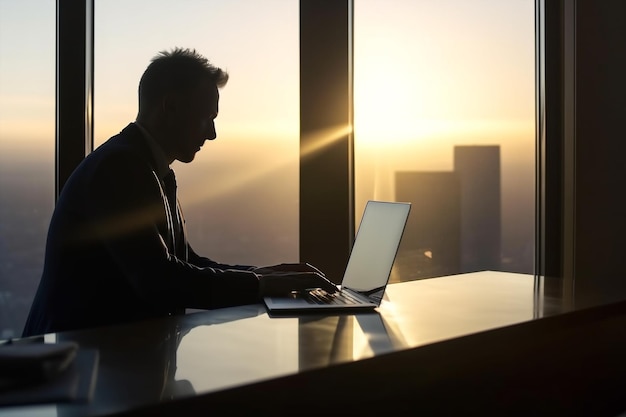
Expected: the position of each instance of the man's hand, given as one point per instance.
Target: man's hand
(286, 268)
(283, 283)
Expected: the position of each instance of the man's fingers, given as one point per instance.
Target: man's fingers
(316, 280)
(314, 269)
(288, 268)
(283, 283)
(327, 285)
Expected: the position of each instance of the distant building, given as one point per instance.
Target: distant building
(455, 221)
(478, 170)
(431, 243)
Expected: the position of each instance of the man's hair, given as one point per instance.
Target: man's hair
(177, 70)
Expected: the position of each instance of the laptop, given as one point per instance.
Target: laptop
(369, 267)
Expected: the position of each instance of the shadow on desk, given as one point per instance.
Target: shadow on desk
(572, 364)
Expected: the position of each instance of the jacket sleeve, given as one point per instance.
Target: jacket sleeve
(125, 206)
(204, 262)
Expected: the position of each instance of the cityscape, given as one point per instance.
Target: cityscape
(26, 204)
(455, 226)
(456, 219)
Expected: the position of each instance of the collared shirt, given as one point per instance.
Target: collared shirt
(162, 166)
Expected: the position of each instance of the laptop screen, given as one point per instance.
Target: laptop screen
(376, 245)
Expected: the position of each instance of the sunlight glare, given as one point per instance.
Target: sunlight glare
(317, 141)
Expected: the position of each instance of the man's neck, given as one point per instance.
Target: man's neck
(154, 132)
(158, 155)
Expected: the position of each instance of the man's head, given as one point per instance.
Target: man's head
(178, 101)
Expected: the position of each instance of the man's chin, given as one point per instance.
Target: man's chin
(185, 159)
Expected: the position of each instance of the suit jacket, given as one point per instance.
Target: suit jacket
(111, 255)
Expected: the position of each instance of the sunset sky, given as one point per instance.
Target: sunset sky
(424, 69)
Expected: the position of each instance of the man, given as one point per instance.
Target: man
(116, 248)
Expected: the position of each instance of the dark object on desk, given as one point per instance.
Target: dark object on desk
(42, 373)
(32, 363)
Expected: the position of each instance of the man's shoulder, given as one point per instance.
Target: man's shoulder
(127, 147)
(129, 140)
(122, 157)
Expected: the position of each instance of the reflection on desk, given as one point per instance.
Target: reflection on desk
(203, 354)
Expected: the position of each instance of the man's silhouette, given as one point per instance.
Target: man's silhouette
(116, 248)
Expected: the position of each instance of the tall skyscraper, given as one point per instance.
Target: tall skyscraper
(478, 170)
(431, 243)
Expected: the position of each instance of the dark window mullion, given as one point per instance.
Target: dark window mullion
(74, 98)
(326, 151)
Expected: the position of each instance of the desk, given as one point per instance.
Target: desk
(236, 356)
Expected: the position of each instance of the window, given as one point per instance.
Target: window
(27, 79)
(445, 118)
(426, 96)
(240, 195)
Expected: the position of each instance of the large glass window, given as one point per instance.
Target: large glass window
(240, 194)
(445, 118)
(27, 71)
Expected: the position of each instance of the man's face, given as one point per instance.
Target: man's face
(195, 121)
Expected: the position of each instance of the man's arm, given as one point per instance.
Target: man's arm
(204, 262)
(124, 206)
(276, 280)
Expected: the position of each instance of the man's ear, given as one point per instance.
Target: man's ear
(169, 105)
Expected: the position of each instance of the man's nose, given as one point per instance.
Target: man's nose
(211, 133)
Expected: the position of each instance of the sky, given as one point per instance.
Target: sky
(255, 41)
(27, 42)
(449, 64)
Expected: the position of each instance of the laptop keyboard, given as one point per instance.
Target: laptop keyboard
(319, 296)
